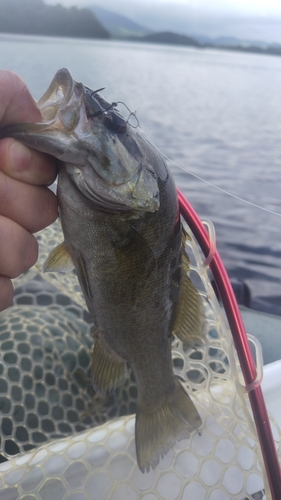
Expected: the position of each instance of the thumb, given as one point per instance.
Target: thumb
(16, 103)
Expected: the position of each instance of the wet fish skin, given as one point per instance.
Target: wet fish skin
(122, 231)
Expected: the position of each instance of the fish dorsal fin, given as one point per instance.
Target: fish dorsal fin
(187, 323)
(185, 236)
(108, 369)
(59, 260)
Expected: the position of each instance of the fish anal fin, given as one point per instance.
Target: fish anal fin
(188, 319)
(108, 369)
(161, 424)
(59, 260)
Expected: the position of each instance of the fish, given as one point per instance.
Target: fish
(124, 236)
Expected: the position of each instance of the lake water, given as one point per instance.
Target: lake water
(216, 113)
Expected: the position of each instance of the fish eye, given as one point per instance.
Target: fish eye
(114, 122)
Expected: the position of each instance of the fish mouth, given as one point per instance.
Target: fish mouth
(106, 165)
(60, 110)
(65, 129)
(57, 96)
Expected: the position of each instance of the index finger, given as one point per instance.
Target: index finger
(26, 165)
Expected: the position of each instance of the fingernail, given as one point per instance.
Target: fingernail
(20, 156)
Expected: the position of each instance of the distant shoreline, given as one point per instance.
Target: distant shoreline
(250, 50)
(36, 18)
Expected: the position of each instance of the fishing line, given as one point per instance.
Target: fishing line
(208, 182)
(132, 113)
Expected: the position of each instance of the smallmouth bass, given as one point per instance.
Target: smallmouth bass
(123, 233)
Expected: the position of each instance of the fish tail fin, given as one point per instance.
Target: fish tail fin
(160, 425)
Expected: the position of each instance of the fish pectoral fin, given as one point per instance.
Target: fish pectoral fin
(188, 323)
(83, 274)
(160, 424)
(134, 250)
(108, 369)
(59, 260)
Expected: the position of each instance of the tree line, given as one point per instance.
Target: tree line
(33, 17)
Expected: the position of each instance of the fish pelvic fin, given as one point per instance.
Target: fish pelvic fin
(108, 369)
(59, 260)
(188, 324)
(160, 425)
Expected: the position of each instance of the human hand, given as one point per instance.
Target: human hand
(26, 204)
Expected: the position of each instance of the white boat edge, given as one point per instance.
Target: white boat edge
(271, 388)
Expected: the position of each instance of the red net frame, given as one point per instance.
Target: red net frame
(246, 360)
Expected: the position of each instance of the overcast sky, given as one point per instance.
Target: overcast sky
(243, 19)
(254, 7)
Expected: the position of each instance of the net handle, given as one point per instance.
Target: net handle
(247, 363)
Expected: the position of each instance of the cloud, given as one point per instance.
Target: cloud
(247, 19)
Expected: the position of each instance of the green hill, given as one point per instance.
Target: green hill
(33, 17)
(117, 25)
(171, 38)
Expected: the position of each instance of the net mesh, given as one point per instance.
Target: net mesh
(60, 440)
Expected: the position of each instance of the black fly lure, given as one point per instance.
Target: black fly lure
(112, 119)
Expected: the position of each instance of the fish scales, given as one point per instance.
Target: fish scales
(111, 247)
(122, 232)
